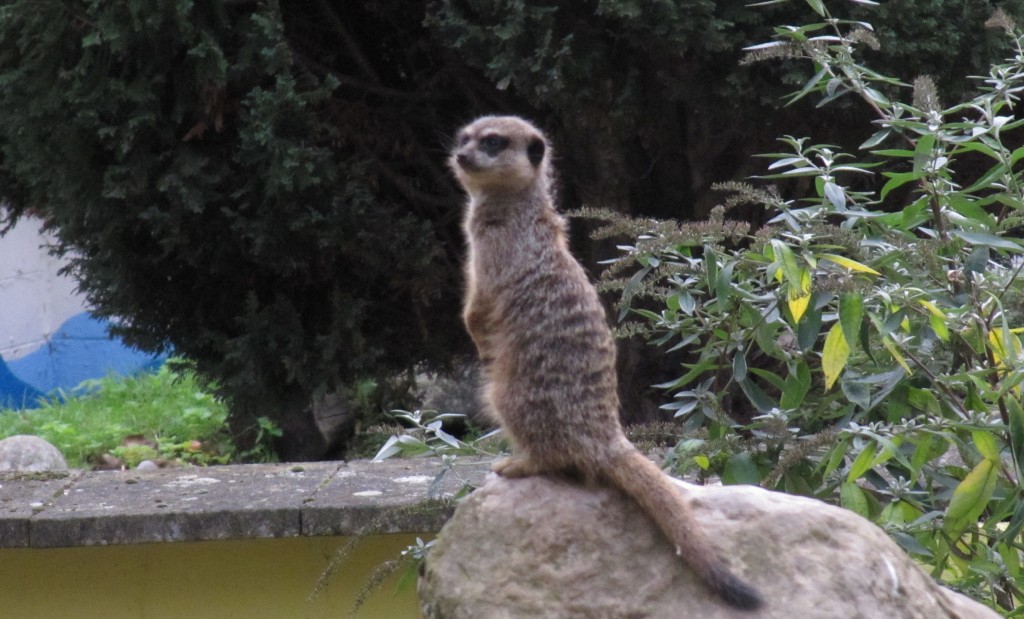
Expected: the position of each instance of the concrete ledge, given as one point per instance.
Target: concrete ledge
(76, 508)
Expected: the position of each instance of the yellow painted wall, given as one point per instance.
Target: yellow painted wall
(247, 579)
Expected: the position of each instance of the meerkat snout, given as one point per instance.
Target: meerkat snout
(463, 160)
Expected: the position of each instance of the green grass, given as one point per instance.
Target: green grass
(175, 417)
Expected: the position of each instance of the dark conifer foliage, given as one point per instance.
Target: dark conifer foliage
(256, 185)
(260, 185)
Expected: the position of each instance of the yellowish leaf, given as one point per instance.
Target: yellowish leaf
(937, 319)
(853, 265)
(798, 296)
(895, 354)
(970, 497)
(935, 311)
(1004, 345)
(834, 355)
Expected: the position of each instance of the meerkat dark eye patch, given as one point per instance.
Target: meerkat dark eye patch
(535, 151)
(494, 144)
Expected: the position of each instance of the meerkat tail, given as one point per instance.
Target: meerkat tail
(658, 495)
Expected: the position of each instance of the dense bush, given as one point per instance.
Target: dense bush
(225, 191)
(863, 347)
(649, 103)
(260, 185)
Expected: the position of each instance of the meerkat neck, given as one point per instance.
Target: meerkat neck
(507, 237)
(508, 209)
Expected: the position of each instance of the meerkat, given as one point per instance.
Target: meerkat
(546, 349)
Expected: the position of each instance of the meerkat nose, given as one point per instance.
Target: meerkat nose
(463, 160)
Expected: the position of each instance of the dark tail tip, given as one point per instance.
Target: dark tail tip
(737, 593)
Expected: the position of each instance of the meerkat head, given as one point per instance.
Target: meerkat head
(500, 154)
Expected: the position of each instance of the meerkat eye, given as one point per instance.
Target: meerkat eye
(463, 139)
(535, 151)
(494, 144)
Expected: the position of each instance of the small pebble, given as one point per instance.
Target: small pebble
(147, 465)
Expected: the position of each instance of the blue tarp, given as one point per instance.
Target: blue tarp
(79, 350)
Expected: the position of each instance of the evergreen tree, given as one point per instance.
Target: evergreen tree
(261, 186)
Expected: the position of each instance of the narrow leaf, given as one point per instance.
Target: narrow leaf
(723, 286)
(785, 162)
(937, 320)
(938, 325)
(1016, 432)
(711, 266)
(390, 448)
(834, 355)
(1005, 345)
(808, 87)
(853, 499)
(896, 354)
(756, 395)
(785, 255)
(739, 366)
(631, 288)
(986, 443)
(894, 152)
(989, 240)
(986, 180)
(971, 497)
(796, 386)
(851, 311)
(808, 330)
(836, 456)
(835, 195)
(798, 295)
(897, 180)
(875, 140)
(862, 463)
(853, 265)
(856, 392)
(817, 7)
(923, 152)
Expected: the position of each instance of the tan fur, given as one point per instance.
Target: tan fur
(547, 352)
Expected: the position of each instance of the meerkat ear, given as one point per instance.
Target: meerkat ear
(535, 151)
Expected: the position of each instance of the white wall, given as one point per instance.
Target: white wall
(34, 299)
(49, 339)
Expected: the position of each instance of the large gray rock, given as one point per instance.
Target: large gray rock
(29, 453)
(541, 548)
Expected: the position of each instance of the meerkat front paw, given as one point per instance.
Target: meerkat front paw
(514, 466)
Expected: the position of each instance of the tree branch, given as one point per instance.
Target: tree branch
(354, 52)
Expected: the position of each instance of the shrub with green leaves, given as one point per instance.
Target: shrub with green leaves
(165, 414)
(864, 346)
(647, 102)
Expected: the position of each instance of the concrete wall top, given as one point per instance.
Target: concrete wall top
(77, 508)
